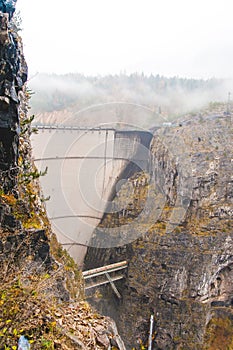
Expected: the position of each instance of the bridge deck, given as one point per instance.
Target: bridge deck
(103, 276)
(67, 127)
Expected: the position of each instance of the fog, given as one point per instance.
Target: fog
(80, 100)
(107, 42)
(189, 39)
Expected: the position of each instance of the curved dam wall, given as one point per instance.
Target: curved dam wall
(85, 168)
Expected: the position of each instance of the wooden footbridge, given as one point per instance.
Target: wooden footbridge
(104, 275)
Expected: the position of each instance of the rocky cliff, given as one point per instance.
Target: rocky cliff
(180, 269)
(41, 294)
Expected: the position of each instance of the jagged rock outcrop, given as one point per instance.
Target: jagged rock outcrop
(13, 75)
(181, 267)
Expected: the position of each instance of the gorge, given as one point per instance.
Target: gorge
(171, 220)
(161, 200)
(180, 269)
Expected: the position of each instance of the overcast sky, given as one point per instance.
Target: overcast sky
(187, 38)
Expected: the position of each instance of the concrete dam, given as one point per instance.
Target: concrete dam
(86, 167)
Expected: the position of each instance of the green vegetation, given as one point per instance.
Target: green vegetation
(25, 311)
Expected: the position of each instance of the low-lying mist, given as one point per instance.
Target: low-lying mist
(74, 97)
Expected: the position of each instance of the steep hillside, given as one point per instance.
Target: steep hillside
(41, 293)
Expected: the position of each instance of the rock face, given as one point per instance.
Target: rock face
(181, 268)
(13, 75)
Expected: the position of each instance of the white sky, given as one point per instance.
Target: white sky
(188, 38)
